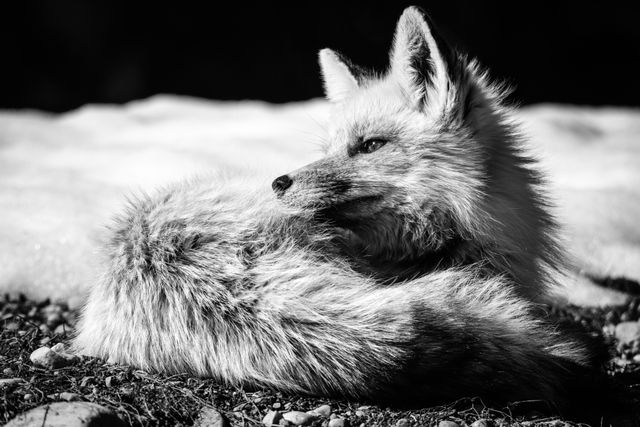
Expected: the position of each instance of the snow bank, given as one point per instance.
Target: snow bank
(63, 176)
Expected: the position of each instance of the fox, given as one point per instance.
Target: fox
(405, 267)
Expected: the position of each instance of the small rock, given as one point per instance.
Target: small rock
(126, 391)
(240, 407)
(53, 315)
(299, 418)
(480, 423)
(323, 411)
(52, 358)
(62, 329)
(28, 396)
(7, 371)
(448, 424)
(636, 358)
(210, 417)
(65, 395)
(12, 326)
(68, 396)
(7, 382)
(74, 414)
(108, 381)
(627, 331)
(277, 405)
(403, 422)
(337, 422)
(85, 381)
(359, 414)
(284, 423)
(58, 347)
(271, 418)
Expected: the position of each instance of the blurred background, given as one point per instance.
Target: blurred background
(58, 55)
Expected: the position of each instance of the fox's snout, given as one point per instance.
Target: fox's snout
(281, 183)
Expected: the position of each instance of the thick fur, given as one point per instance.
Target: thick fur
(405, 273)
(452, 185)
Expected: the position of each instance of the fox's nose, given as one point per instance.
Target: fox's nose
(281, 183)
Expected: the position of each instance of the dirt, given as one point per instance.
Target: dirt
(142, 398)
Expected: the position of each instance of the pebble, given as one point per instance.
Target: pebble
(210, 417)
(65, 395)
(70, 414)
(480, 423)
(403, 422)
(12, 326)
(323, 411)
(448, 424)
(299, 418)
(627, 331)
(58, 347)
(271, 418)
(28, 396)
(337, 422)
(62, 329)
(52, 358)
(53, 315)
(277, 405)
(126, 391)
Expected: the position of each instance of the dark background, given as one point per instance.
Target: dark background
(60, 54)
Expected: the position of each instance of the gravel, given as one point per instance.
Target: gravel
(141, 398)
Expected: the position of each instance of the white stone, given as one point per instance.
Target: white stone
(68, 414)
(627, 331)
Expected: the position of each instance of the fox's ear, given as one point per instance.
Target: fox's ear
(419, 60)
(339, 75)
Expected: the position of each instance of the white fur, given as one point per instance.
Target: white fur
(296, 293)
(339, 83)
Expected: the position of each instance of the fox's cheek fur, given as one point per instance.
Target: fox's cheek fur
(336, 183)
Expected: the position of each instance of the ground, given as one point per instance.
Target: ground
(143, 398)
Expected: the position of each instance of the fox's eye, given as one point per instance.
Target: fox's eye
(371, 145)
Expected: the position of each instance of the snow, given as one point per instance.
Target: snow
(63, 176)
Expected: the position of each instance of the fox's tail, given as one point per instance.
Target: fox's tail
(424, 342)
(172, 301)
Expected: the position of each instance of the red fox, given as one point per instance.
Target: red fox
(403, 267)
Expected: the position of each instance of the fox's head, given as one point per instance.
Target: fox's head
(417, 156)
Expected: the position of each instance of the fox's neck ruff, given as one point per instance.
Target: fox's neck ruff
(509, 231)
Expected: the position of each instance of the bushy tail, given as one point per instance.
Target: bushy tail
(179, 298)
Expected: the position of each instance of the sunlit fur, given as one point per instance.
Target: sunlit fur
(452, 185)
(213, 279)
